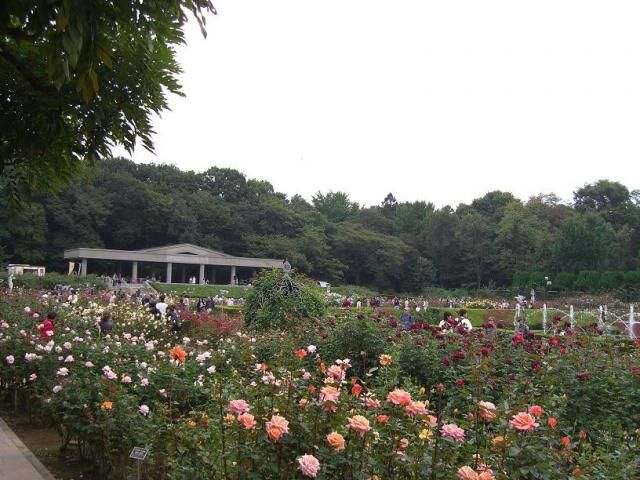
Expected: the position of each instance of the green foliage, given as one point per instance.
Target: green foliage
(564, 281)
(404, 248)
(587, 280)
(78, 77)
(279, 300)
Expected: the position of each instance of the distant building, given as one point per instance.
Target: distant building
(184, 260)
(21, 269)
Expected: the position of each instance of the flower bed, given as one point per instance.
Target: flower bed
(353, 397)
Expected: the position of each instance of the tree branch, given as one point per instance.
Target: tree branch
(28, 75)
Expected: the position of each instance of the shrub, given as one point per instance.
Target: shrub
(279, 299)
(587, 280)
(611, 280)
(564, 281)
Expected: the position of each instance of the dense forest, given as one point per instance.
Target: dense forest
(494, 241)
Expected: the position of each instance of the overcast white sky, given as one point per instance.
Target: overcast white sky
(440, 101)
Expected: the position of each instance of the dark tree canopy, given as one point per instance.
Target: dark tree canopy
(78, 77)
(130, 206)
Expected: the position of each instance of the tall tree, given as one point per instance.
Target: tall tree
(77, 77)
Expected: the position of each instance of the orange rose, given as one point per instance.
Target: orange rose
(486, 476)
(335, 441)
(277, 427)
(178, 354)
(552, 422)
(356, 389)
(191, 424)
(106, 405)
(536, 410)
(382, 418)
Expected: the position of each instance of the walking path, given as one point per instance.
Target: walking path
(16, 460)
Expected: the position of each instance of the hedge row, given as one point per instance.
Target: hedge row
(586, 280)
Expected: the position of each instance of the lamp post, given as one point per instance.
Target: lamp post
(547, 282)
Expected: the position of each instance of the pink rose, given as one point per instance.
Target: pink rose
(524, 422)
(399, 397)
(247, 420)
(308, 465)
(453, 431)
(238, 407)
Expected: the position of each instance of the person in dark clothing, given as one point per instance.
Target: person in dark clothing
(106, 323)
(173, 318)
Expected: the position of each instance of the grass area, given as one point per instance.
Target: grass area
(200, 291)
(349, 290)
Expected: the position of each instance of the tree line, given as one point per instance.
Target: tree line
(496, 240)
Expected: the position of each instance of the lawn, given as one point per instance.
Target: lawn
(201, 291)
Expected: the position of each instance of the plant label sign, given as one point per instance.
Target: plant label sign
(139, 453)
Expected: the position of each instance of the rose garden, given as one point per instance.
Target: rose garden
(293, 390)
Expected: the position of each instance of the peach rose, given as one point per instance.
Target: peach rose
(308, 465)
(499, 443)
(247, 420)
(399, 397)
(467, 473)
(277, 427)
(385, 359)
(524, 422)
(487, 411)
(416, 408)
(358, 424)
(335, 441)
(552, 422)
(382, 418)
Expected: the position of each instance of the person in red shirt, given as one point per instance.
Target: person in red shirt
(48, 325)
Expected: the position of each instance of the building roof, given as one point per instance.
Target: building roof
(180, 253)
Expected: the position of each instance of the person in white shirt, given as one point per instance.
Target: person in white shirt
(161, 306)
(464, 321)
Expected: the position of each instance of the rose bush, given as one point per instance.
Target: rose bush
(285, 404)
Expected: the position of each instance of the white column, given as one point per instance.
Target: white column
(169, 265)
(83, 271)
(233, 274)
(134, 272)
(202, 273)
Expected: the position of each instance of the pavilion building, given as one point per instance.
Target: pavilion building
(180, 262)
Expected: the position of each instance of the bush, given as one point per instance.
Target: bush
(611, 280)
(587, 280)
(278, 299)
(564, 281)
